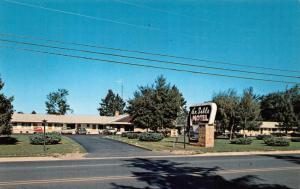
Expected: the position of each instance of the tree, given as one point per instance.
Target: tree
(156, 107)
(227, 109)
(287, 117)
(57, 102)
(33, 112)
(249, 111)
(282, 107)
(111, 104)
(6, 112)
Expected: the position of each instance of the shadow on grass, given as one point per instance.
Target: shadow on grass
(6, 140)
(170, 175)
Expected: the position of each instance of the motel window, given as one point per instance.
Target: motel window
(35, 124)
(15, 123)
(88, 125)
(26, 124)
(94, 126)
(78, 125)
(100, 127)
(49, 124)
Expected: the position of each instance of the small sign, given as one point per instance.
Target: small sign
(203, 113)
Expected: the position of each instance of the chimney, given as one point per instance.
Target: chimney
(117, 113)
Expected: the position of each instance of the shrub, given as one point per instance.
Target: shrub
(151, 137)
(132, 135)
(50, 138)
(241, 141)
(295, 139)
(124, 134)
(278, 134)
(274, 141)
(261, 137)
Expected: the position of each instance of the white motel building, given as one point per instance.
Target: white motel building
(94, 124)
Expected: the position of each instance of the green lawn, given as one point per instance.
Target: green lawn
(221, 145)
(24, 148)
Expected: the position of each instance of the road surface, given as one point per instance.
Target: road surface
(237, 172)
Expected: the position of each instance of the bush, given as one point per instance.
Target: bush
(124, 134)
(132, 135)
(261, 137)
(295, 139)
(273, 141)
(151, 137)
(50, 138)
(241, 141)
(278, 134)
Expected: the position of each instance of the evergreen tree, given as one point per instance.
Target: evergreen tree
(57, 102)
(111, 104)
(33, 112)
(156, 107)
(6, 112)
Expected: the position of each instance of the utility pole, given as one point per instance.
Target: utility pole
(44, 124)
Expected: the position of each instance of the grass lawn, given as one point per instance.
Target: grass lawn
(24, 148)
(221, 145)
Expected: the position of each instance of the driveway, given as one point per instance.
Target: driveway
(98, 146)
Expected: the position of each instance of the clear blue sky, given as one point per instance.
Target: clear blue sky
(260, 33)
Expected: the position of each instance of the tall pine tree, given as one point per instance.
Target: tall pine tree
(111, 104)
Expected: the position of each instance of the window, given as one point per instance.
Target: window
(26, 124)
(49, 124)
(100, 127)
(88, 125)
(15, 123)
(35, 124)
(78, 125)
(94, 126)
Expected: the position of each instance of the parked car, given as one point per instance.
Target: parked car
(81, 131)
(109, 132)
(38, 130)
(67, 131)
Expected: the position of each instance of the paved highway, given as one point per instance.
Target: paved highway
(240, 172)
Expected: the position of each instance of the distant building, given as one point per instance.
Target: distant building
(266, 128)
(94, 124)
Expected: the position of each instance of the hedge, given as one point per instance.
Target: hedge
(132, 135)
(151, 137)
(261, 137)
(274, 141)
(50, 138)
(244, 141)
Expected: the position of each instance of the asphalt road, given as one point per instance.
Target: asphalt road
(237, 172)
(97, 146)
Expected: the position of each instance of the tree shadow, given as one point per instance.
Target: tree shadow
(290, 158)
(7, 140)
(171, 175)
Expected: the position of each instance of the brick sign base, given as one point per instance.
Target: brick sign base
(206, 136)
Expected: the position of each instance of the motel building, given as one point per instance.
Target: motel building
(94, 124)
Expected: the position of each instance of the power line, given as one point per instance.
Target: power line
(147, 59)
(149, 27)
(147, 66)
(146, 53)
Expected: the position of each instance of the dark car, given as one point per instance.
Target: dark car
(81, 131)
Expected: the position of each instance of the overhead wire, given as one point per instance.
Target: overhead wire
(147, 66)
(147, 59)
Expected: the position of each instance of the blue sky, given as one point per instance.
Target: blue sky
(258, 33)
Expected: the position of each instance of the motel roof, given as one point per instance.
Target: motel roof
(69, 119)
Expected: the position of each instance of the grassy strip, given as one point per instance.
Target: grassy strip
(23, 148)
(221, 145)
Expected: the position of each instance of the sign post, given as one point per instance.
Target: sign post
(44, 124)
(201, 121)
